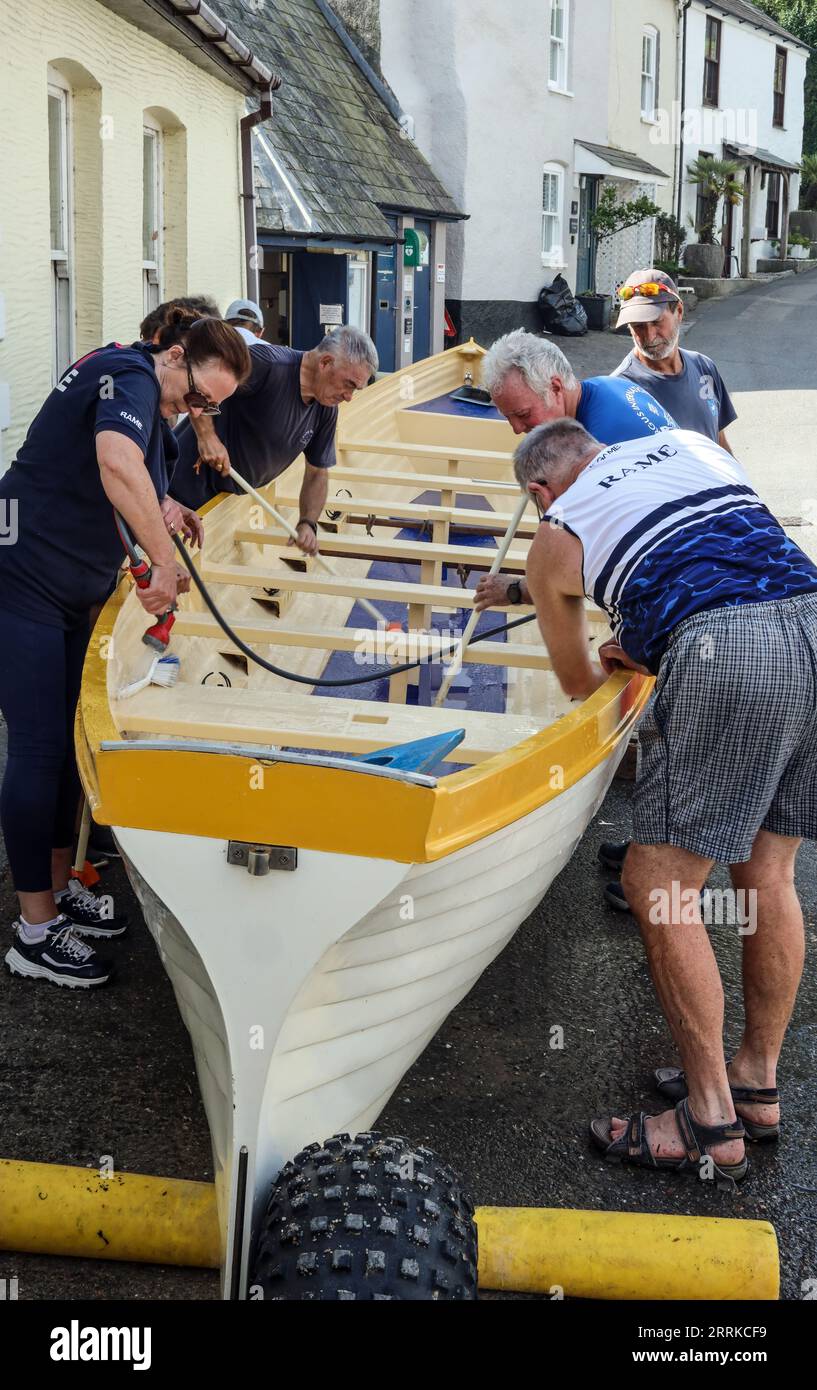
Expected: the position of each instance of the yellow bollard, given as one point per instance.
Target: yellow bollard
(48, 1209)
(624, 1255)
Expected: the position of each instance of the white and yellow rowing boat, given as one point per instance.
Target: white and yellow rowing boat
(319, 915)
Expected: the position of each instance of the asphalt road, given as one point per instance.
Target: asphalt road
(112, 1073)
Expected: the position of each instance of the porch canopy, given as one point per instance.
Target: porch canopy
(764, 158)
(609, 163)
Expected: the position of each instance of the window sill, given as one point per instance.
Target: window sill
(548, 264)
(559, 91)
(649, 120)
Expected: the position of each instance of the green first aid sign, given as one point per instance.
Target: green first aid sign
(412, 250)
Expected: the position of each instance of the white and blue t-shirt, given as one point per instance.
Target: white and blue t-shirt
(674, 528)
(614, 410)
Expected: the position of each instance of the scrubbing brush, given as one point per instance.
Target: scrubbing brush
(164, 671)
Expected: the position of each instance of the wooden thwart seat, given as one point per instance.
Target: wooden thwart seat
(312, 721)
(450, 460)
(429, 595)
(425, 482)
(401, 646)
(378, 548)
(404, 515)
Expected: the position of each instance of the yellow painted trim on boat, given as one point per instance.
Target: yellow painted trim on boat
(232, 797)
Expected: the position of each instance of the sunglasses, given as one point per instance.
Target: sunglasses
(197, 398)
(650, 291)
(543, 511)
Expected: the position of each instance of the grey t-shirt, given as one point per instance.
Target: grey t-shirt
(265, 426)
(696, 397)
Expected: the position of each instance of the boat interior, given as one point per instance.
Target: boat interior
(419, 502)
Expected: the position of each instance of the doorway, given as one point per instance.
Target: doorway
(385, 317)
(276, 292)
(587, 244)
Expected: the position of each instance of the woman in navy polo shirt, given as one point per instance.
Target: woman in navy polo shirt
(99, 443)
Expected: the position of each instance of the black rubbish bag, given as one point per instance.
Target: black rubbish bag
(561, 312)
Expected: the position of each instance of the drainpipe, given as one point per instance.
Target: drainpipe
(248, 123)
(682, 15)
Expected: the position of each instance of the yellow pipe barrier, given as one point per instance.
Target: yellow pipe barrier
(47, 1209)
(624, 1255)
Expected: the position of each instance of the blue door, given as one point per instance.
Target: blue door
(422, 294)
(387, 269)
(318, 280)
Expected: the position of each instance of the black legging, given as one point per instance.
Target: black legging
(40, 676)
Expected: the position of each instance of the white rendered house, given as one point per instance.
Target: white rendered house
(524, 111)
(743, 99)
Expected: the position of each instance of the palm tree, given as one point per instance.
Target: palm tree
(716, 178)
(808, 192)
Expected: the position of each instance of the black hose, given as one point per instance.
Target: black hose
(380, 675)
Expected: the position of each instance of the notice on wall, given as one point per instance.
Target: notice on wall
(331, 314)
(441, 273)
(408, 283)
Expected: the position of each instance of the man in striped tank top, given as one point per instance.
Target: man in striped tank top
(706, 592)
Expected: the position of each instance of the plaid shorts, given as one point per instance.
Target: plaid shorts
(729, 741)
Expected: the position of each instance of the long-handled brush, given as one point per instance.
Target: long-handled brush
(82, 868)
(291, 531)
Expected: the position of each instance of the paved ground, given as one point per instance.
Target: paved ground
(113, 1073)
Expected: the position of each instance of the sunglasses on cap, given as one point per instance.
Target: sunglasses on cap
(196, 398)
(649, 291)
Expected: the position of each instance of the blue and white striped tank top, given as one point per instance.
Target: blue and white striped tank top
(671, 526)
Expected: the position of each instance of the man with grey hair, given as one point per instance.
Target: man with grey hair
(706, 591)
(288, 407)
(532, 382)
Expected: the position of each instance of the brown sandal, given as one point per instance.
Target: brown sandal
(633, 1147)
(671, 1083)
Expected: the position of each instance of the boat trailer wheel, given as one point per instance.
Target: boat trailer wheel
(369, 1218)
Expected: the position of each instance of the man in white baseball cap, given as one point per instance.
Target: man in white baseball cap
(246, 314)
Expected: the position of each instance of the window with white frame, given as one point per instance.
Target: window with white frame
(559, 39)
(552, 201)
(649, 72)
(152, 218)
(59, 189)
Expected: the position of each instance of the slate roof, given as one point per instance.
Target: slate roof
(750, 14)
(756, 156)
(333, 155)
(621, 159)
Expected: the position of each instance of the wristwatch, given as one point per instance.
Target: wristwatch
(304, 521)
(515, 593)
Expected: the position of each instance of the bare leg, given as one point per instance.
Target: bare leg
(688, 984)
(773, 961)
(42, 907)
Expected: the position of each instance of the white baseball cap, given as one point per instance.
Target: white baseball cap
(246, 310)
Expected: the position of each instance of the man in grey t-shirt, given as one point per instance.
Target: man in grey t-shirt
(687, 384)
(288, 407)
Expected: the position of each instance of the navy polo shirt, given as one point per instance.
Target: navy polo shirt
(66, 550)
